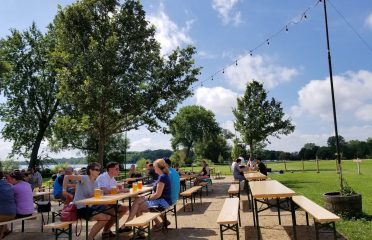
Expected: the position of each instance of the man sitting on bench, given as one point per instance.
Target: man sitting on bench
(7, 203)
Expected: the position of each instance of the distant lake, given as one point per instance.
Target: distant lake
(75, 166)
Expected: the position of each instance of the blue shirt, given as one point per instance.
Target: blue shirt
(7, 202)
(84, 189)
(57, 187)
(166, 194)
(175, 184)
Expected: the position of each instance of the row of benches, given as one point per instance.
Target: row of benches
(229, 216)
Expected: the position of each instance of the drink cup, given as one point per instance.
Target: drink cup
(114, 190)
(139, 184)
(97, 193)
(135, 187)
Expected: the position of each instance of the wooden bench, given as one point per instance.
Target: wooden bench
(229, 216)
(61, 228)
(141, 224)
(33, 216)
(190, 193)
(172, 208)
(204, 185)
(234, 190)
(320, 215)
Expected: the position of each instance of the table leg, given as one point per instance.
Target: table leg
(278, 207)
(253, 214)
(86, 223)
(117, 220)
(130, 203)
(293, 218)
(257, 222)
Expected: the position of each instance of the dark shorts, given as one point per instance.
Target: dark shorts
(88, 212)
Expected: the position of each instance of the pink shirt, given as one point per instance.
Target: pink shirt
(23, 198)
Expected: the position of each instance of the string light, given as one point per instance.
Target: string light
(285, 28)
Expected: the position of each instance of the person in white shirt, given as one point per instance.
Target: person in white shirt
(106, 181)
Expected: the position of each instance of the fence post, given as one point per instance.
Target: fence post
(317, 164)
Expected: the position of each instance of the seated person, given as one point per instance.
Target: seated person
(261, 167)
(57, 186)
(204, 173)
(106, 181)
(153, 176)
(23, 195)
(238, 171)
(8, 205)
(161, 195)
(85, 185)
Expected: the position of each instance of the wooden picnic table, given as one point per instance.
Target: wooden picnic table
(111, 199)
(261, 191)
(254, 176)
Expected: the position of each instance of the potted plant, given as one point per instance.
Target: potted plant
(346, 201)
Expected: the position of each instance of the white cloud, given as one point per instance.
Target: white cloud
(229, 125)
(225, 11)
(218, 99)
(368, 21)
(168, 33)
(352, 95)
(259, 68)
(142, 139)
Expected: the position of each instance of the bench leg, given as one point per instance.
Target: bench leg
(307, 218)
(316, 231)
(293, 213)
(221, 233)
(237, 230)
(184, 207)
(23, 225)
(334, 230)
(257, 222)
(175, 215)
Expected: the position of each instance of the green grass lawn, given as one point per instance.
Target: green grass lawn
(313, 185)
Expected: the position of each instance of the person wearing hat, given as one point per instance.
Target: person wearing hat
(22, 194)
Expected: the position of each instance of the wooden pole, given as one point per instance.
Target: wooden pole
(317, 165)
(303, 165)
(285, 166)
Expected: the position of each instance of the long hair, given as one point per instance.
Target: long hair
(91, 166)
(160, 163)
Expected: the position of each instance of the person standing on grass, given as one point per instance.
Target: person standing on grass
(8, 205)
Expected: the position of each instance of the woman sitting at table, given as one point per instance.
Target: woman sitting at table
(204, 173)
(23, 195)
(161, 195)
(85, 185)
(7, 203)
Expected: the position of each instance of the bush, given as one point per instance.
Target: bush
(140, 164)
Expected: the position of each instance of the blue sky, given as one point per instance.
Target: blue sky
(293, 66)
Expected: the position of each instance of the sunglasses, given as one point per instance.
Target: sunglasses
(96, 169)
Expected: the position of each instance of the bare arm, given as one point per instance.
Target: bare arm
(159, 191)
(66, 179)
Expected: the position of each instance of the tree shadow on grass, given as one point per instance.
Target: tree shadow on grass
(298, 183)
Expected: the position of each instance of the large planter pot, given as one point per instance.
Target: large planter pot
(335, 202)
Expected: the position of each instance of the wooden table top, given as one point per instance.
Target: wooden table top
(112, 198)
(254, 176)
(38, 194)
(269, 189)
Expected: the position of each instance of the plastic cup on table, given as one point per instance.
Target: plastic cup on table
(135, 187)
(97, 193)
(114, 190)
(139, 185)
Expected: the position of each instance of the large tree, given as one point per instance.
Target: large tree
(28, 81)
(114, 78)
(257, 118)
(193, 124)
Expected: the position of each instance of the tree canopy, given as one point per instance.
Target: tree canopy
(28, 81)
(193, 125)
(257, 118)
(114, 78)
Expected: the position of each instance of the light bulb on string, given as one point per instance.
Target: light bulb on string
(267, 40)
(286, 28)
(236, 62)
(250, 53)
(223, 71)
(305, 16)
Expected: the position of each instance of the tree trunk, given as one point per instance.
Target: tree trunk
(36, 146)
(101, 149)
(251, 148)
